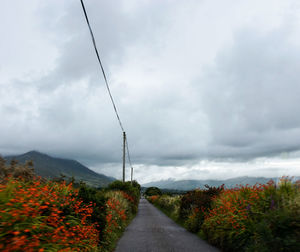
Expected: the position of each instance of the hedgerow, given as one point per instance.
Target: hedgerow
(41, 215)
(245, 218)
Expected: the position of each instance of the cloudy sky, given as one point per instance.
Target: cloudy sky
(204, 88)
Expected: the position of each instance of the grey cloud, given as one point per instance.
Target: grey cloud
(176, 110)
(115, 30)
(251, 94)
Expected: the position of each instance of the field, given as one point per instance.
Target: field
(245, 218)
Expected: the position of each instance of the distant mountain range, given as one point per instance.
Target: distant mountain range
(186, 185)
(51, 167)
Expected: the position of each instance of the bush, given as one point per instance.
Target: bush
(118, 214)
(169, 203)
(37, 215)
(93, 196)
(194, 220)
(193, 205)
(132, 191)
(257, 218)
(153, 198)
(16, 170)
(150, 191)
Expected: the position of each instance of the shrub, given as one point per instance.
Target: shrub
(150, 191)
(118, 214)
(153, 198)
(193, 205)
(93, 196)
(194, 220)
(37, 215)
(131, 190)
(169, 203)
(257, 218)
(200, 199)
(16, 170)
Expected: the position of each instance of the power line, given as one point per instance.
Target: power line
(106, 82)
(99, 60)
(128, 154)
(129, 160)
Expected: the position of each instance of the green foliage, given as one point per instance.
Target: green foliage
(131, 189)
(136, 185)
(41, 215)
(91, 195)
(15, 170)
(194, 220)
(247, 218)
(38, 215)
(118, 215)
(278, 230)
(194, 203)
(258, 218)
(150, 191)
(169, 204)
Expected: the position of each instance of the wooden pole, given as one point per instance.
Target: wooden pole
(124, 146)
(131, 174)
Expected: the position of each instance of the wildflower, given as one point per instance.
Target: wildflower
(248, 207)
(272, 204)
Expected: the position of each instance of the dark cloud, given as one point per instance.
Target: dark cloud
(250, 96)
(114, 29)
(192, 84)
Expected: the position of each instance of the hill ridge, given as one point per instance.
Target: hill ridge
(190, 184)
(51, 167)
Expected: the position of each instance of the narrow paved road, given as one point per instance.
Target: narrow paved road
(152, 231)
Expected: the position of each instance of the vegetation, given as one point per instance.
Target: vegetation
(245, 218)
(150, 191)
(133, 189)
(170, 205)
(41, 215)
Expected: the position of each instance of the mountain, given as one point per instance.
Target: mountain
(51, 167)
(192, 184)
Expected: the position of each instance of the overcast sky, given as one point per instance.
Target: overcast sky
(204, 89)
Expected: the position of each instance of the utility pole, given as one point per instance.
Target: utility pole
(124, 146)
(131, 174)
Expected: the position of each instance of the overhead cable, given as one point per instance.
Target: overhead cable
(128, 154)
(105, 79)
(102, 69)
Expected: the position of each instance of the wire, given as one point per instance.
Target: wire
(128, 154)
(103, 72)
(106, 82)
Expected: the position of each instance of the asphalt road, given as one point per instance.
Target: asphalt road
(151, 230)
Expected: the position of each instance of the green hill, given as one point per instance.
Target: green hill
(51, 167)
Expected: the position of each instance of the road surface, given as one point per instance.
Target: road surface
(153, 231)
